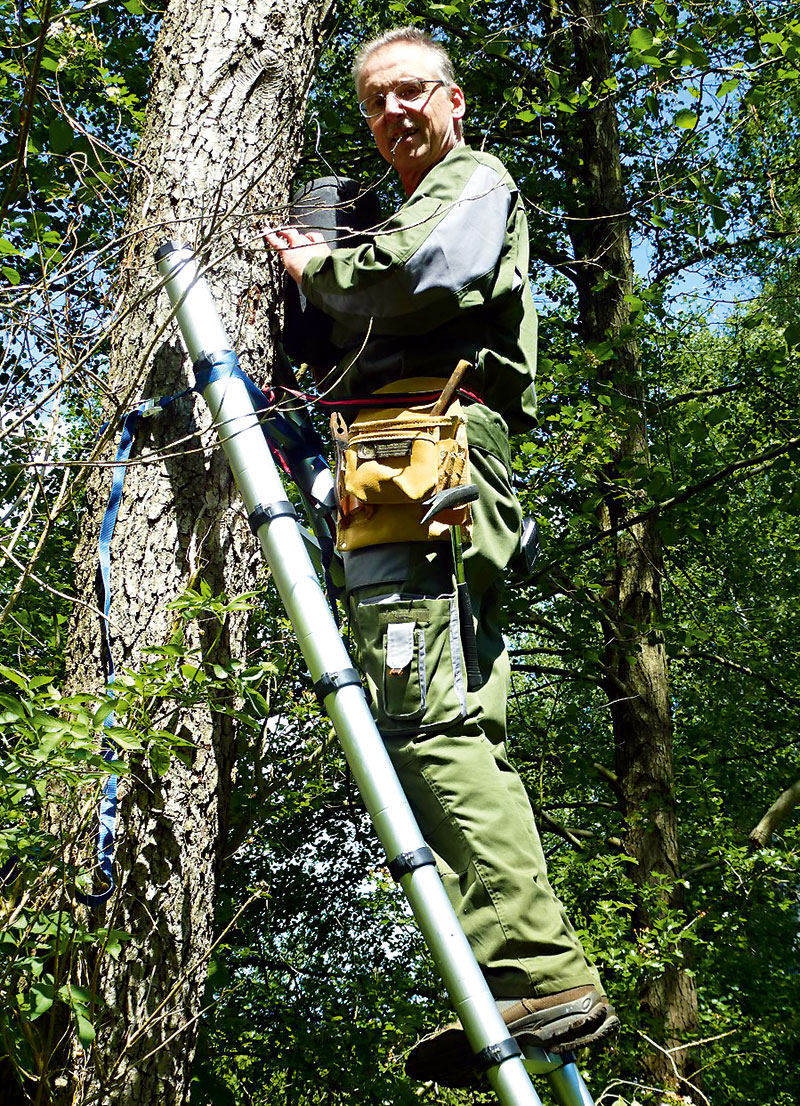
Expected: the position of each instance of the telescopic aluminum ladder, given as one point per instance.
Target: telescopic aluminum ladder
(274, 521)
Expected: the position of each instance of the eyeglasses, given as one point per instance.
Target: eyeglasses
(407, 92)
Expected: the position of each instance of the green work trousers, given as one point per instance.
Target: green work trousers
(448, 745)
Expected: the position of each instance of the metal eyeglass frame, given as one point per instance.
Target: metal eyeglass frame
(362, 104)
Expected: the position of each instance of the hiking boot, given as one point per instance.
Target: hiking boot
(557, 1023)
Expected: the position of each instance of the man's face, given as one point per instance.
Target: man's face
(411, 137)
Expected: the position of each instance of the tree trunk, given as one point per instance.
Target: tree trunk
(637, 684)
(215, 162)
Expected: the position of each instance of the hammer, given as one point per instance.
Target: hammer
(446, 500)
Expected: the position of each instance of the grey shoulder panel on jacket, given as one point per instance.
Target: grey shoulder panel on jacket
(466, 243)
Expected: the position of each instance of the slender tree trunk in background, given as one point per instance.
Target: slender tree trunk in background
(220, 144)
(638, 682)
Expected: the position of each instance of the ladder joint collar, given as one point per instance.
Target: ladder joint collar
(266, 512)
(496, 1054)
(409, 862)
(334, 681)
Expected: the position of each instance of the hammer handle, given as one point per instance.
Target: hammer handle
(441, 404)
(468, 642)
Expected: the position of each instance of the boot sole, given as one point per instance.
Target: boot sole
(569, 1026)
(445, 1057)
(570, 1038)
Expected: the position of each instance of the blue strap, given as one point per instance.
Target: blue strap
(107, 814)
(292, 441)
(224, 365)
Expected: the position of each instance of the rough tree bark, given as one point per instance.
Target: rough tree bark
(221, 139)
(637, 684)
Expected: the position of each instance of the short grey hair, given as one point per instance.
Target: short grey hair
(415, 37)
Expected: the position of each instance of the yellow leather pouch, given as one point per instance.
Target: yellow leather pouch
(391, 460)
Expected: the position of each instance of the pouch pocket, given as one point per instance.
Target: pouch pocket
(411, 656)
(404, 459)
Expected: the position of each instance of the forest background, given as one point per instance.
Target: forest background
(254, 949)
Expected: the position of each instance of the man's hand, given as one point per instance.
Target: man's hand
(296, 248)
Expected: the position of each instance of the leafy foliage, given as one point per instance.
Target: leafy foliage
(318, 982)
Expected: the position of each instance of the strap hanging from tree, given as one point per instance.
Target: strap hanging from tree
(298, 449)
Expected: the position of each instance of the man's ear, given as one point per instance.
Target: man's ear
(458, 102)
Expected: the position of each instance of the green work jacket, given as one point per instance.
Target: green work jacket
(444, 278)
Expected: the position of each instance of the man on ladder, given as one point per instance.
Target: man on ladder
(444, 281)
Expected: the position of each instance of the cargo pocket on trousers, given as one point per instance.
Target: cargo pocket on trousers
(411, 654)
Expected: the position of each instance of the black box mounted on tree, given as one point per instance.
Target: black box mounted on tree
(344, 214)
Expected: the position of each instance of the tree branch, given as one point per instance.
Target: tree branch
(707, 253)
(735, 666)
(700, 393)
(565, 673)
(753, 463)
(571, 836)
(612, 779)
(775, 816)
(26, 113)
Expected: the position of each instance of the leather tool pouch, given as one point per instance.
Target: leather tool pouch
(390, 461)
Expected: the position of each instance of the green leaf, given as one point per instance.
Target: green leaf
(61, 135)
(41, 997)
(126, 739)
(114, 939)
(12, 709)
(159, 760)
(719, 217)
(617, 19)
(86, 1031)
(40, 681)
(686, 119)
(14, 676)
(75, 996)
(641, 39)
(103, 712)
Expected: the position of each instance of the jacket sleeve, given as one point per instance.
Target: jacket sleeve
(438, 255)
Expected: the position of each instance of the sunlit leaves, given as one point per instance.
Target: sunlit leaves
(705, 97)
(686, 119)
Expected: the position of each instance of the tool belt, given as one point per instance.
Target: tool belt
(390, 461)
